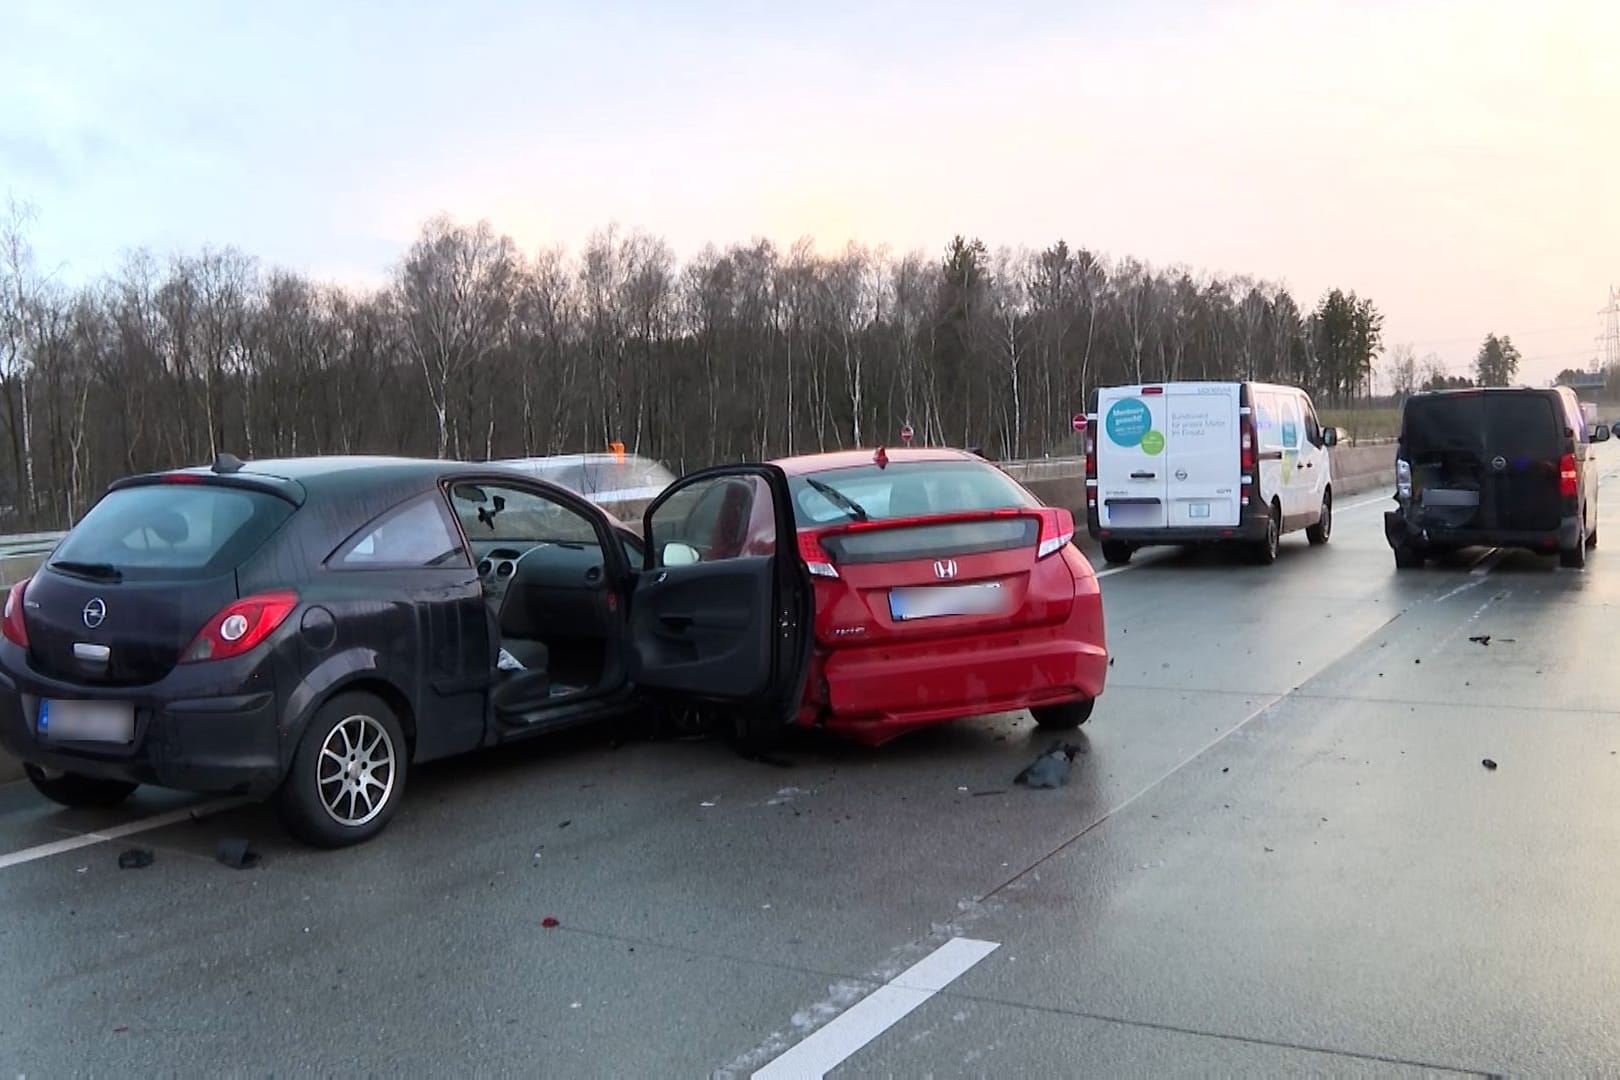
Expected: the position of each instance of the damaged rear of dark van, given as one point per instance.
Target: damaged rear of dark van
(1495, 467)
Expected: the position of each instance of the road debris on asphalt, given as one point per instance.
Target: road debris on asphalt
(235, 853)
(550, 922)
(134, 859)
(1489, 764)
(1481, 639)
(1051, 769)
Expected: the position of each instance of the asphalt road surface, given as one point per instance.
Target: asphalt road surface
(1281, 853)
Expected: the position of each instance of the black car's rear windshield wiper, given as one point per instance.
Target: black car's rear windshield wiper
(97, 571)
(855, 510)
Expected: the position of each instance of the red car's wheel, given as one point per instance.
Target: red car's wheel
(1065, 716)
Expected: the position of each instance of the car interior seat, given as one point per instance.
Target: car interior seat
(908, 497)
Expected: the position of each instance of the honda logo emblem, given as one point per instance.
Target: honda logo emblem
(945, 569)
(95, 612)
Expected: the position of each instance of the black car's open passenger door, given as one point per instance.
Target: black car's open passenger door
(725, 609)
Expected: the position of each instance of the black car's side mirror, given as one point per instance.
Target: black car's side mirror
(1600, 433)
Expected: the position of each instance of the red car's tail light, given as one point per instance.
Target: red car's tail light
(1568, 477)
(815, 556)
(240, 627)
(16, 628)
(1057, 530)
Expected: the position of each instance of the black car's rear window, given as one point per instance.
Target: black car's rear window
(1512, 425)
(173, 530)
(901, 490)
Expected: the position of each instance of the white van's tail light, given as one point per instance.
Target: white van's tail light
(1246, 460)
(815, 556)
(16, 628)
(1403, 478)
(1057, 530)
(240, 627)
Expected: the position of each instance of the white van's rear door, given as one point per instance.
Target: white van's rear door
(1132, 480)
(1202, 454)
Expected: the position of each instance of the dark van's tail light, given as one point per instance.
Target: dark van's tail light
(16, 628)
(1057, 530)
(240, 627)
(1568, 477)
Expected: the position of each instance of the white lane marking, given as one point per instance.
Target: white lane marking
(1488, 562)
(156, 821)
(1382, 499)
(876, 1013)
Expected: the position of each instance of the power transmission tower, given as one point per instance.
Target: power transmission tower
(1610, 340)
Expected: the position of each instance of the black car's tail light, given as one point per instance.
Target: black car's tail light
(16, 629)
(239, 627)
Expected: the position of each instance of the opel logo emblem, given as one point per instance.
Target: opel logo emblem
(95, 613)
(1499, 463)
(1181, 474)
(945, 568)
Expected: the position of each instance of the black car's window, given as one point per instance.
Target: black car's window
(490, 511)
(417, 535)
(174, 530)
(913, 489)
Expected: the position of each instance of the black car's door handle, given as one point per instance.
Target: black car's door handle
(678, 623)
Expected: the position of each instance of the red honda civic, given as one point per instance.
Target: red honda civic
(943, 589)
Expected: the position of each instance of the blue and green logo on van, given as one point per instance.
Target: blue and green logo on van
(1130, 423)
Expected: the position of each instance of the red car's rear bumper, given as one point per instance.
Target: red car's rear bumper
(878, 693)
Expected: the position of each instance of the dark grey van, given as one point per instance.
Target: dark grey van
(1498, 467)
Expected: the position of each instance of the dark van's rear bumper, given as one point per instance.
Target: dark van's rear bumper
(1400, 532)
(210, 743)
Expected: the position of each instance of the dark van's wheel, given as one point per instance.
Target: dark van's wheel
(1408, 557)
(1065, 716)
(1323, 529)
(1574, 558)
(1116, 553)
(348, 776)
(71, 789)
(1264, 553)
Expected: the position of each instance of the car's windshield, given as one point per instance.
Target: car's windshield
(173, 530)
(904, 489)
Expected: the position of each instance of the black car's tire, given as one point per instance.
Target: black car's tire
(71, 789)
(1064, 716)
(1116, 553)
(1573, 558)
(348, 775)
(1408, 557)
(757, 732)
(1322, 531)
(1264, 552)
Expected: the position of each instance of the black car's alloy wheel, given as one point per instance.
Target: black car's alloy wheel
(348, 775)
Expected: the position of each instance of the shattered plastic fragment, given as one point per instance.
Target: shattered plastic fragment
(134, 859)
(1489, 764)
(550, 923)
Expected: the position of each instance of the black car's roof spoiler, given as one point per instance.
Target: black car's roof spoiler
(227, 471)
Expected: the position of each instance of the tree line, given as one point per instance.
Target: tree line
(474, 349)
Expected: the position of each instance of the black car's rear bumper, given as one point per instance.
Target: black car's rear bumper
(188, 735)
(1401, 532)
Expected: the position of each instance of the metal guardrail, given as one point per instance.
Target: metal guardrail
(28, 544)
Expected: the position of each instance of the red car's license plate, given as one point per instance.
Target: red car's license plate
(933, 601)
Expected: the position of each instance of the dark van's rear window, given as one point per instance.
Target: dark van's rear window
(174, 530)
(1512, 425)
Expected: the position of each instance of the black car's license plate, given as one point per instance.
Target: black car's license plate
(87, 721)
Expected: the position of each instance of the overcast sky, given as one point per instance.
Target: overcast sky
(1457, 161)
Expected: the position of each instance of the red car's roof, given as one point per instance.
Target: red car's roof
(854, 459)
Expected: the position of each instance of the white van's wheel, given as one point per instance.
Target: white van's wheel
(1116, 553)
(1265, 552)
(1323, 529)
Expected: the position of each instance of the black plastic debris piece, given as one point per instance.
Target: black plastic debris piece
(565, 824)
(1419, 660)
(134, 859)
(236, 854)
(1051, 769)
(1481, 639)
(1489, 764)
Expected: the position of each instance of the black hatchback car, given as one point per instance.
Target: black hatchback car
(308, 629)
(1498, 467)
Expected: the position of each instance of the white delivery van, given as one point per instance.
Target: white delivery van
(1206, 462)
